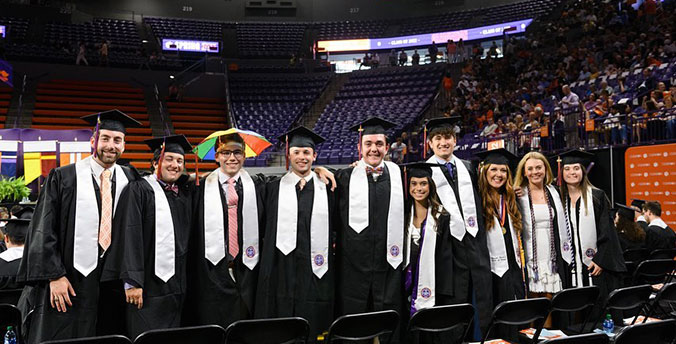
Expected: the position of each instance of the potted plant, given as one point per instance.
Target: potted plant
(13, 190)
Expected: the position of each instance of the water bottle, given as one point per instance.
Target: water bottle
(608, 324)
(10, 336)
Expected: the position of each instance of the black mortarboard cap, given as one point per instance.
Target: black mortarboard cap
(26, 212)
(173, 144)
(442, 122)
(419, 169)
(114, 120)
(373, 125)
(624, 211)
(637, 203)
(498, 156)
(16, 228)
(576, 156)
(302, 137)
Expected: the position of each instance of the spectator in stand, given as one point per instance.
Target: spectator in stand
(447, 83)
(103, 53)
(558, 129)
(413, 148)
(570, 103)
(620, 88)
(82, 51)
(393, 58)
(605, 87)
(616, 126)
(398, 150)
(490, 128)
(365, 61)
(403, 58)
(415, 58)
(433, 51)
(461, 51)
(493, 50)
(375, 60)
(451, 51)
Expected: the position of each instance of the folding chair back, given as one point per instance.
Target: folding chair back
(666, 294)
(207, 334)
(624, 299)
(658, 332)
(663, 253)
(268, 331)
(587, 338)
(635, 255)
(114, 339)
(521, 312)
(442, 318)
(653, 271)
(10, 316)
(10, 296)
(576, 299)
(363, 326)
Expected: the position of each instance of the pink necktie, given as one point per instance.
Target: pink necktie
(233, 246)
(106, 211)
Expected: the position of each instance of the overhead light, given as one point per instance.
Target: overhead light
(144, 41)
(171, 76)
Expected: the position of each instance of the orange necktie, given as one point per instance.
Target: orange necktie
(106, 211)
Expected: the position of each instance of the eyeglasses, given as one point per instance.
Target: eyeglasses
(237, 153)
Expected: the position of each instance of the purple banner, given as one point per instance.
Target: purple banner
(187, 45)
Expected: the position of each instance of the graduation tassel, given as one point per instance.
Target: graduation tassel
(405, 182)
(589, 168)
(286, 152)
(559, 176)
(359, 144)
(159, 162)
(425, 142)
(96, 136)
(197, 171)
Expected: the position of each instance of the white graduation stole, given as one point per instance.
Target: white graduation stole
(86, 241)
(587, 228)
(498, 248)
(659, 223)
(358, 208)
(564, 239)
(12, 254)
(165, 245)
(214, 239)
(426, 264)
(447, 197)
(287, 221)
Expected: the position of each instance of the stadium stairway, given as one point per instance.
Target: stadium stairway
(59, 104)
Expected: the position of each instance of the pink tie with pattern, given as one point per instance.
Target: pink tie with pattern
(233, 199)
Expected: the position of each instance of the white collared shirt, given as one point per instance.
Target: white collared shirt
(98, 169)
(296, 178)
(223, 179)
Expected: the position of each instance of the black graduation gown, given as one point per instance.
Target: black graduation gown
(511, 285)
(472, 266)
(287, 286)
(8, 271)
(659, 238)
(365, 280)
(162, 301)
(609, 254)
(98, 307)
(212, 296)
(627, 244)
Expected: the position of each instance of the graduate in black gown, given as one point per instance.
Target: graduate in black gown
(456, 184)
(597, 253)
(14, 238)
(638, 204)
(630, 233)
(428, 251)
(297, 265)
(370, 234)
(157, 223)
(503, 223)
(658, 235)
(66, 257)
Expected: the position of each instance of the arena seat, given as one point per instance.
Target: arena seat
(59, 104)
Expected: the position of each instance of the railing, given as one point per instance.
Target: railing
(609, 131)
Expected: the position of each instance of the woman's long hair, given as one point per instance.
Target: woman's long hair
(490, 199)
(584, 187)
(520, 178)
(432, 201)
(630, 229)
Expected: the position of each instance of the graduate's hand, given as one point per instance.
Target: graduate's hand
(594, 269)
(59, 293)
(326, 175)
(135, 296)
(518, 191)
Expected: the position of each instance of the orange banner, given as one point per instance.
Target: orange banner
(650, 174)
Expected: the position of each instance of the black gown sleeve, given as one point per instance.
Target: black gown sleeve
(444, 257)
(609, 253)
(42, 256)
(133, 259)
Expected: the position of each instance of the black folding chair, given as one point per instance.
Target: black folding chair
(632, 258)
(663, 253)
(207, 334)
(587, 338)
(10, 316)
(441, 318)
(668, 295)
(653, 271)
(657, 332)
(10, 296)
(268, 331)
(574, 300)
(624, 299)
(113, 339)
(364, 326)
(520, 312)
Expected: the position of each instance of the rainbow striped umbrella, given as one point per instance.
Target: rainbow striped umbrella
(254, 143)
